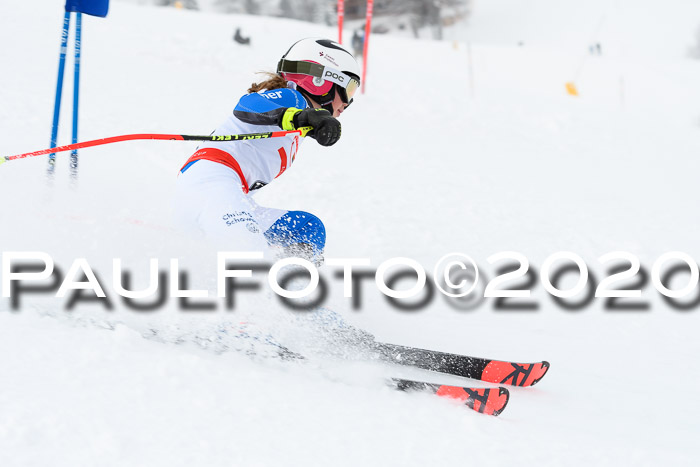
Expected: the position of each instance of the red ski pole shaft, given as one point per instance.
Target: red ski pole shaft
(146, 136)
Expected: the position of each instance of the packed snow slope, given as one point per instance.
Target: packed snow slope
(453, 148)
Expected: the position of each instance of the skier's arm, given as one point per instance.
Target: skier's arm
(287, 109)
(268, 107)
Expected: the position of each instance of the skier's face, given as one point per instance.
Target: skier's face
(338, 105)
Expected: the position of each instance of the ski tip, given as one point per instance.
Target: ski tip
(488, 401)
(514, 374)
(492, 401)
(3, 159)
(504, 397)
(544, 368)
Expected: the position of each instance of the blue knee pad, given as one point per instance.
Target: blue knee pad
(297, 227)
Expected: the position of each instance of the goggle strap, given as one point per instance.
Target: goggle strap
(304, 68)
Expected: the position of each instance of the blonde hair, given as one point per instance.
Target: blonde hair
(273, 81)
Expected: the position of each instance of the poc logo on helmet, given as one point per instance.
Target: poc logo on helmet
(335, 76)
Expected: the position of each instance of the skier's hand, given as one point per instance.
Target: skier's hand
(326, 128)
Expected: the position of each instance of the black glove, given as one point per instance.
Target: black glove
(326, 128)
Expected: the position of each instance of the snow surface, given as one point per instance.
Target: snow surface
(430, 163)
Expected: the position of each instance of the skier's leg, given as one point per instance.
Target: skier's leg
(211, 202)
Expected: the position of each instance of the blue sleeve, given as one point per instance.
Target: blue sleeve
(267, 108)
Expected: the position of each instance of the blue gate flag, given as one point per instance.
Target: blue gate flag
(89, 7)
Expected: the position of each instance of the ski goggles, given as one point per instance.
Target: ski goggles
(347, 83)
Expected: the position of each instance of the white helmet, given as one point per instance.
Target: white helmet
(320, 68)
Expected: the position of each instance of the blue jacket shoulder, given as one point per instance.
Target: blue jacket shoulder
(267, 108)
(286, 97)
(270, 100)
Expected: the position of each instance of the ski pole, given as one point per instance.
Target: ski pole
(59, 90)
(76, 94)
(152, 136)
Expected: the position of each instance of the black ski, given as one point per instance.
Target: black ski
(489, 401)
(483, 369)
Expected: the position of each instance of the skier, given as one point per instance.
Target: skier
(238, 37)
(358, 41)
(315, 82)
